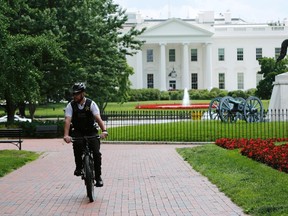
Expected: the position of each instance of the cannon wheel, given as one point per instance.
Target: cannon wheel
(253, 109)
(226, 110)
(214, 108)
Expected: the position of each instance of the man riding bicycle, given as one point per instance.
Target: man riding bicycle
(82, 114)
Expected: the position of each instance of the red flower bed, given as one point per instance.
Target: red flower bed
(173, 106)
(264, 151)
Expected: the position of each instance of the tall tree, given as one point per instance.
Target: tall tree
(97, 46)
(90, 33)
(30, 54)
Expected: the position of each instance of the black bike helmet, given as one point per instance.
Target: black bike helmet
(78, 87)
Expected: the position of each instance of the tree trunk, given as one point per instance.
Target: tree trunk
(32, 109)
(10, 108)
(21, 107)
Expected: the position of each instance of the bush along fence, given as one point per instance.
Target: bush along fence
(190, 126)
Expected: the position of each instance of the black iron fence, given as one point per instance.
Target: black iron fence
(190, 126)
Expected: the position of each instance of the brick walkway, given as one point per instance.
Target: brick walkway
(139, 180)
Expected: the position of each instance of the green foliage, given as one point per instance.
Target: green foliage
(144, 94)
(242, 94)
(29, 129)
(216, 92)
(48, 45)
(195, 94)
(97, 47)
(257, 188)
(251, 92)
(31, 57)
(164, 95)
(269, 68)
(237, 93)
(176, 95)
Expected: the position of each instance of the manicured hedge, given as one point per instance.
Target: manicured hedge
(196, 94)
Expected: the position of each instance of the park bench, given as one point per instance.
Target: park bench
(13, 136)
(46, 130)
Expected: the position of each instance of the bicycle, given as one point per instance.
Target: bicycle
(88, 172)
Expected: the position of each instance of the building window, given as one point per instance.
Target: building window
(240, 80)
(194, 55)
(277, 52)
(172, 84)
(258, 53)
(150, 80)
(172, 55)
(194, 81)
(221, 54)
(149, 55)
(221, 80)
(259, 77)
(240, 54)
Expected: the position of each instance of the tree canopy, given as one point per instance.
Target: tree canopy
(27, 57)
(269, 68)
(48, 45)
(97, 47)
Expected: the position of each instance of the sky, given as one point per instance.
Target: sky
(257, 11)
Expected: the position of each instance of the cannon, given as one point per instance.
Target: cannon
(229, 109)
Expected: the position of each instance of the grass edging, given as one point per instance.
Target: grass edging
(255, 187)
(11, 160)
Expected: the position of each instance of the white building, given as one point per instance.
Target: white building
(202, 53)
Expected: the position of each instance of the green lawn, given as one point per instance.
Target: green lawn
(56, 109)
(195, 131)
(260, 190)
(13, 159)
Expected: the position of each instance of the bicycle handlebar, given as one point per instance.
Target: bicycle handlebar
(84, 138)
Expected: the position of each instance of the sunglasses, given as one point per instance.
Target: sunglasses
(76, 93)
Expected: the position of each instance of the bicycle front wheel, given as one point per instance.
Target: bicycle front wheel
(89, 181)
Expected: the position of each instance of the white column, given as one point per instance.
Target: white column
(139, 70)
(162, 76)
(208, 67)
(185, 68)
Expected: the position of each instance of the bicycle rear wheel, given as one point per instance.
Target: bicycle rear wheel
(89, 180)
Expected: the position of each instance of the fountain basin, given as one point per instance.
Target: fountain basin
(173, 106)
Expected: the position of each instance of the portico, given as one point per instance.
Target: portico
(165, 60)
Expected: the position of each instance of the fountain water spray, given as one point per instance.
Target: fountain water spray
(186, 99)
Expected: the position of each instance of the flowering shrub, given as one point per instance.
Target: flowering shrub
(231, 143)
(173, 106)
(264, 151)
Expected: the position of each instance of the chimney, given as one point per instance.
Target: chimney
(227, 17)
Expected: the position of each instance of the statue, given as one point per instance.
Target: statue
(283, 50)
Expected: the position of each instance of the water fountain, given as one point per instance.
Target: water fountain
(185, 104)
(186, 98)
